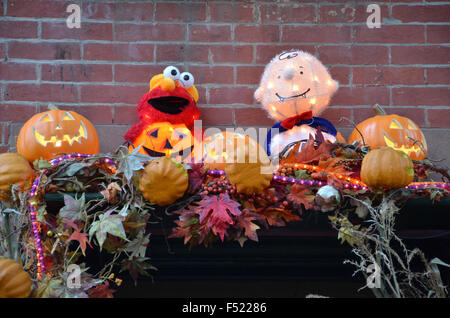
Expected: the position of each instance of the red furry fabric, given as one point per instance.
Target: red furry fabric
(149, 115)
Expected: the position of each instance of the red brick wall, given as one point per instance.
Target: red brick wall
(102, 69)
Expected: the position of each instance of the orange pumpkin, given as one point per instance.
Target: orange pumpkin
(47, 134)
(223, 147)
(397, 132)
(14, 169)
(165, 139)
(387, 168)
(163, 181)
(14, 281)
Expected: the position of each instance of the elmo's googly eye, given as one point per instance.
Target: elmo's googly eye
(171, 72)
(186, 79)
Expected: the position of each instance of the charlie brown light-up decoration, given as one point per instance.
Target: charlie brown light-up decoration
(294, 87)
(54, 132)
(172, 98)
(397, 132)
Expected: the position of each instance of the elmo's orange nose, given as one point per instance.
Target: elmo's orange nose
(167, 84)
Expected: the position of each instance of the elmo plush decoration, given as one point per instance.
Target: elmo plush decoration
(172, 98)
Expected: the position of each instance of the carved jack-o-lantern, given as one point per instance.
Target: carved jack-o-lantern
(54, 132)
(164, 139)
(397, 132)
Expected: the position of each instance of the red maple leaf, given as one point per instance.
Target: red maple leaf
(101, 291)
(217, 211)
(309, 152)
(82, 238)
(245, 222)
(298, 196)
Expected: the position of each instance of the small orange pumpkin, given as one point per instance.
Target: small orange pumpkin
(387, 168)
(14, 169)
(14, 281)
(54, 132)
(228, 147)
(397, 132)
(165, 139)
(163, 181)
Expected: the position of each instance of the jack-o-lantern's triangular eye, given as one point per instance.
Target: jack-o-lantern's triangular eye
(67, 116)
(411, 125)
(46, 117)
(395, 125)
(167, 145)
(153, 133)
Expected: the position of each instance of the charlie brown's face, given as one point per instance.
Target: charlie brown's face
(295, 82)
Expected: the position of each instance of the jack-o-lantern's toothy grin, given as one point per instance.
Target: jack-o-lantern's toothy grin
(408, 150)
(57, 142)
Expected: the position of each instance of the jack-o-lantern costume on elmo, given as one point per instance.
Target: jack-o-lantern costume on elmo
(171, 100)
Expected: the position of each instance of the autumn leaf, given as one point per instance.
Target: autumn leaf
(72, 208)
(82, 238)
(276, 216)
(107, 223)
(111, 192)
(309, 152)
(250, 228)
(217, 211)
(101, 291)
(137, 266)
(299, 196)
(138, 246)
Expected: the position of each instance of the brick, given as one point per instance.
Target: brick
(112, 93)
(439, 117)
(347, 13)
(420, 54)
(88, 31)
(390, 34)
(2, 51)
(231, 95)
(42, 93)
(18, 29)
(354, 55)
(287, 13)
(4, 133)
(180, 12)
(334, 115)
(231, 12)
(250, 75)
(265, 53)
(44, 51)
(16, 112)
(118, 11)
(153, 32)
(76, 72)
(316, 34)
(136, 73)
(118, 52)
(257, 33)
(201, 95)
(388, 75)
(352, 96)
(18, 72)
(210, 33)
(427, 96)
(340, 74)
(4, 149)
(181, 52)
(212, 116)
(125, 115)
(214, 74)
(111, 136)
(438, 75)
(253, 116)
(37, 8)
(231, 53)
(95, 114)
(421, 13)
(438, 33)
